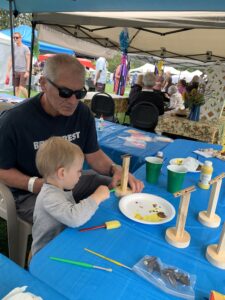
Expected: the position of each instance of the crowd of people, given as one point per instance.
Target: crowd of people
(160, 90)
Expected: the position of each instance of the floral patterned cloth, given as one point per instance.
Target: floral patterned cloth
(211, 132)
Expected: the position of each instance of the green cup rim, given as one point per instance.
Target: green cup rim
(155, 160)
(177, 169)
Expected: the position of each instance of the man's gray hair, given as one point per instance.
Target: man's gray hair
(172, 90)
(149, 79)
(54, 64)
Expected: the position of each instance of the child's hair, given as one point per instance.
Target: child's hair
(54, 153)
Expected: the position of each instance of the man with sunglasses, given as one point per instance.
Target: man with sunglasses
(57, 111)
(22, 65)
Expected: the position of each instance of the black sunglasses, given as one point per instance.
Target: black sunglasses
(67, 93)
(16, 37)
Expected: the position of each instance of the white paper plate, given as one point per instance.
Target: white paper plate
(179, 162)
(144, 208)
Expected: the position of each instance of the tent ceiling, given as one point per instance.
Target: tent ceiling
(204, 41)
(116, 5)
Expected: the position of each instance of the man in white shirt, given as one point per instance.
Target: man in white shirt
(101, 74)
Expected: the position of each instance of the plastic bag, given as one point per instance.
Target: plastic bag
(169, 279)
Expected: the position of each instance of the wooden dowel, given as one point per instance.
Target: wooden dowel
(214, 198)
(185, 191)
(182, 214)
(124, 177)
(221, 246)
(219, 177)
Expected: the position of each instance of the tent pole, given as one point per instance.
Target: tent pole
(31, 56)
(12, 45)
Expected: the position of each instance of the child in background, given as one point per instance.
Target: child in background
(60, 163)
(176, 101)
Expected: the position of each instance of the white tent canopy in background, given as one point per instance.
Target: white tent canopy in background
(185, 75)
(195, 35)
(5, 52)
(151, 68)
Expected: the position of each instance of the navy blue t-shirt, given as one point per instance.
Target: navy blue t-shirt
(24, 127)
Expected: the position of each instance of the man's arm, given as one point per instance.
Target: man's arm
(97, 76)
(26, 75)
(16, 179)
(102, 164)
(9, 66)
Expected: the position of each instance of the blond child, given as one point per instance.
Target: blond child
(60, 163)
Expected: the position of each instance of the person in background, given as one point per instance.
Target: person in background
(181, 85)
(22, 66)
(148, 94)
(135, 89)
(117, 79)
(167, 82)
(100, 74)
(60, 164)
(158, 88)
(57, 111)
(176, 101)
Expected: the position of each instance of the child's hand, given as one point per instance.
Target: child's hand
(101, 194)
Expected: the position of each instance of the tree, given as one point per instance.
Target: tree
(21, 19)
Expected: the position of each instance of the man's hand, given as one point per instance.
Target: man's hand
(135, 184)
(26, 75)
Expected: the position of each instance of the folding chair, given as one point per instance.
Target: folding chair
(17, 229)
(102, 104)
(144, 115)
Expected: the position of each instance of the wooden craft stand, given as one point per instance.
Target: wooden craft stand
(216, 253)
(177, 236)
(209, 218)
(123, 189)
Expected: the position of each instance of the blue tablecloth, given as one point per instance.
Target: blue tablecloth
(12, 276)
(131, 242)
(114, 141)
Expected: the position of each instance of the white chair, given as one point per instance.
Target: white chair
(17, 229)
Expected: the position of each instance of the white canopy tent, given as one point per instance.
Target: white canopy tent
(151, 68)
(197, 36)
(5, 51)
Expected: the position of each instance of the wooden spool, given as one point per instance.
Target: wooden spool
(177, 236)
(209, 218)
(123, 189)
(215, 253)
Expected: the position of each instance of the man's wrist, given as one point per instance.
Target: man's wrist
(30, 185)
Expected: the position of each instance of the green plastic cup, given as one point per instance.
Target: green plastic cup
(153, 167)
(175, 178)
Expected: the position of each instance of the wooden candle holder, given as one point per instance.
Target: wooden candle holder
(177, 236)
(123, 189)
(209, 218)
(215, 253)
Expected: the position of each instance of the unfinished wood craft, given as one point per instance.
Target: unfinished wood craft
(177, 236)
(123, 189)
(215, 253)
(209, 218)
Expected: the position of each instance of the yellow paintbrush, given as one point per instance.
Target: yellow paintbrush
(109, 259)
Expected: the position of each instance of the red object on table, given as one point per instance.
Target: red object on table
(92, 228)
